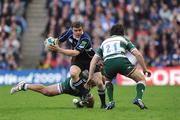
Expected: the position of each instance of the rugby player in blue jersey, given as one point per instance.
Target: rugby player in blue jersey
(82, 53)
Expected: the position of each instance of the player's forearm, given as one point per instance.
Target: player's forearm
(140, 60)
(92, 67)
(68, 52)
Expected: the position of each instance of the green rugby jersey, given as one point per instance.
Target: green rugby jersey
(115, 46)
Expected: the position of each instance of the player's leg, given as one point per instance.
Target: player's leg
(75, 76)
(97, 78)
(109, 73)
(140, 79)
(140, 87)
(75, 72)
(128, 69)
(110, 91)
(50, 90)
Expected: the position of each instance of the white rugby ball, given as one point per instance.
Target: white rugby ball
(75, 100)
(50, 41)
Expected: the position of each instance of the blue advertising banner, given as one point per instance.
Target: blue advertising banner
(32, 76)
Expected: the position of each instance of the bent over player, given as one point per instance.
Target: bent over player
(112, 51)
(59, 89)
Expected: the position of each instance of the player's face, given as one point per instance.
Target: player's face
(77, 32)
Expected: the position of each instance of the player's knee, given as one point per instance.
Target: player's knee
(142, 81)
(74, 72)
(100, 86)
(108, 84)
(74, 75)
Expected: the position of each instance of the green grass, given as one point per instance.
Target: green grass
(163, 103)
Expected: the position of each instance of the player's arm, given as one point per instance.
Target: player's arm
(98, 56)
(68, 52)
(140, 60)
(80, 47)
(94, 60)
(63, 51)
(64, 36)
(92, 68)
(138, 56)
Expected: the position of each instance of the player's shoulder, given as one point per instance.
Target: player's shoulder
(69, 31)
(126, 38)
(85, 36)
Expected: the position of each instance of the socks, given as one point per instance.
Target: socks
(25, 86)
(110, 89)
(101, 94)
(140, 88)
(80, 86)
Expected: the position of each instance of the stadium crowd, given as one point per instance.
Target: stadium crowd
(12, 26)
(151, 25)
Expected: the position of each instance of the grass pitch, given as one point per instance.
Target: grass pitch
(163, 103)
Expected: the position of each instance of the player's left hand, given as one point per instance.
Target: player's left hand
(53, 47)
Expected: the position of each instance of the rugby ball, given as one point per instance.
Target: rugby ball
(75, 100)
(50, 41)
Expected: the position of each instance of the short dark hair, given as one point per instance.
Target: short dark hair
(77, 24)
(117, 29)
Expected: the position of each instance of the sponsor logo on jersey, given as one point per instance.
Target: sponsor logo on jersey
(83, 44)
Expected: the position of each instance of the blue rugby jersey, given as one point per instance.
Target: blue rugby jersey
(83, 45)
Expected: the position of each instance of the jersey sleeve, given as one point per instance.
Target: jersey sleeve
(82, 45)
(129, 45)
(64, 36)
(100, 52)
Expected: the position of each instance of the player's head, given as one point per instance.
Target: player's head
(117, 29)
(77, 28)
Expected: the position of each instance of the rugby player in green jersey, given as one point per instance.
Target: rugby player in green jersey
(112, 51)
(65, 87)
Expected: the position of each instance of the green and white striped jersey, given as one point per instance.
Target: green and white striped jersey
(115, 46)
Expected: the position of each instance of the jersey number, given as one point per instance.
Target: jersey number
(112, 47)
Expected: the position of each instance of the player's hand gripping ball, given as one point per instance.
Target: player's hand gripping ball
(75, 100)
(49, 41)
(90, 102)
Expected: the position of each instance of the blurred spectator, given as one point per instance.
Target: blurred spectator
(12, 65)
(3, 63)
(12, 26)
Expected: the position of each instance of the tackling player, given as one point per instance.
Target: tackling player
(59, 89)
